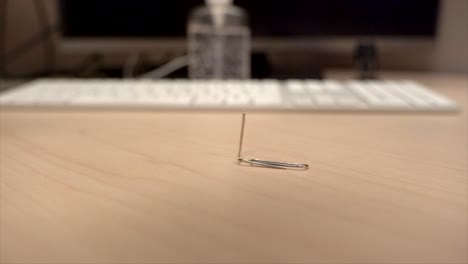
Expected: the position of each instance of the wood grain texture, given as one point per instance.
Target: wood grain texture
(163, 187)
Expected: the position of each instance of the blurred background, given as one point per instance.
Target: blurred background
(289, 39)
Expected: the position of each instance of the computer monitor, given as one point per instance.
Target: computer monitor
(149, 25)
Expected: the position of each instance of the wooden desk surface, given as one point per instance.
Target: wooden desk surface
(149, 187)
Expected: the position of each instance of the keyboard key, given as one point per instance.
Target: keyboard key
(325, 100)
(332, 86)
(295, 86)
(314, 86)
(303, 101)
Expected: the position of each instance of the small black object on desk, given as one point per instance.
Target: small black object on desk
(366, 60)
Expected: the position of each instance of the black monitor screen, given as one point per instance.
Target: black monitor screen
(291, 18)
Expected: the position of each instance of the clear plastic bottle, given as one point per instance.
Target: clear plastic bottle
(218, 42)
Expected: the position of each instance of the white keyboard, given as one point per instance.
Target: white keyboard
(312, 95)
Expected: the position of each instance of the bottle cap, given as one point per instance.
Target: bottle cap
(218, 2)
(218, 8)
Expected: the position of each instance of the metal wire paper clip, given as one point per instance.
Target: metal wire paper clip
(265, 163)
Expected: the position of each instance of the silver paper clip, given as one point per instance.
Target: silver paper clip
(265, 163)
